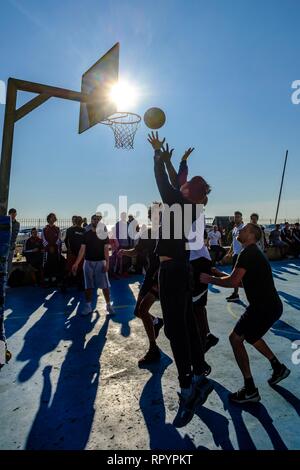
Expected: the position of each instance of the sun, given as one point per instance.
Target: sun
(124, 95)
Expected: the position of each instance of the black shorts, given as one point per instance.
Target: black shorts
(253, 325)
(199, 290)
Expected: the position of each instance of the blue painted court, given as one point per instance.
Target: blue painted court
(73, 382)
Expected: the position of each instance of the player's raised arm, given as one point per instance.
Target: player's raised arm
(168, 194)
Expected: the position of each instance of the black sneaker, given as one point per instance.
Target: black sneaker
(157, 326)
(242, 396)
(233, 298)
(152, 355)
(200, 391)
(211, 341)
(184, 414)
(279, 375)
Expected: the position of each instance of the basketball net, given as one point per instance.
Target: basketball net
(124, 127)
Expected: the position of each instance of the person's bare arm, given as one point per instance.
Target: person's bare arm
(130, 253)
(106, 255)
(233, 280)
(166, 155)
(79, 259)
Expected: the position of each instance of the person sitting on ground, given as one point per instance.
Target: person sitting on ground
(287, 237)
(253, 272)
(275, 240)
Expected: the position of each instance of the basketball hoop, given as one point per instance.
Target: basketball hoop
(124, 127)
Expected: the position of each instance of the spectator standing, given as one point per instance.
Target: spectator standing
(15, 228)
(33, 252)
(235, 250)
(214, 240)
(51, 238)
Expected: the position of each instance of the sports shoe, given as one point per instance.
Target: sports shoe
(157, 326)
(242, 396)
(152, 355)
(110, 309)
(187, 406)
(279, 375)
(184, 414)
(233, 298)
(211, 341)
(86, 311)
(200, 391)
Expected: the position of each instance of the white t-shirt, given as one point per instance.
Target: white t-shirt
(237, 246)
(196, 240)
(214, 238)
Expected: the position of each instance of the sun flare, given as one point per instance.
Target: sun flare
(124, 95)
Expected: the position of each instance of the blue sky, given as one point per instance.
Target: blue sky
(222, 70)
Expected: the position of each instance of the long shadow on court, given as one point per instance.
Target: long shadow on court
(162, 435)
(289, 397)
(66, 414)
(124, 302)
(23, 302)
(291, 300)
(281, 328)
(46, 333)
(258, 411)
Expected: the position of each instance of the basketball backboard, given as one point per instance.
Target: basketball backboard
(96, 84)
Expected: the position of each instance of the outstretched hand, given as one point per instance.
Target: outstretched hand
(187, 153)
(153, 138)
(166, 154)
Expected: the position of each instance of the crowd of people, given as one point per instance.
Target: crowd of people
(177, 269)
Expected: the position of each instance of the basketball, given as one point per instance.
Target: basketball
(154, 118)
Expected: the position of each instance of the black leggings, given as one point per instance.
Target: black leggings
(180, 326)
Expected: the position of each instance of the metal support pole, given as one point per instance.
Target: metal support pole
(282, 178)
(7, 144)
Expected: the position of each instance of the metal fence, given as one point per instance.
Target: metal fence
(40, 223)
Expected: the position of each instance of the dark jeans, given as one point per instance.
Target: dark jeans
(180, 325)
(218, 252)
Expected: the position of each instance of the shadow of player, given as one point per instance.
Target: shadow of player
(258, 411)
(162, 435)
(66, 414)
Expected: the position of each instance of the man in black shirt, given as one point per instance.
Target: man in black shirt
(95, 252)
(33, 251)
(253, 272)
(174, 282)
(73, 242)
